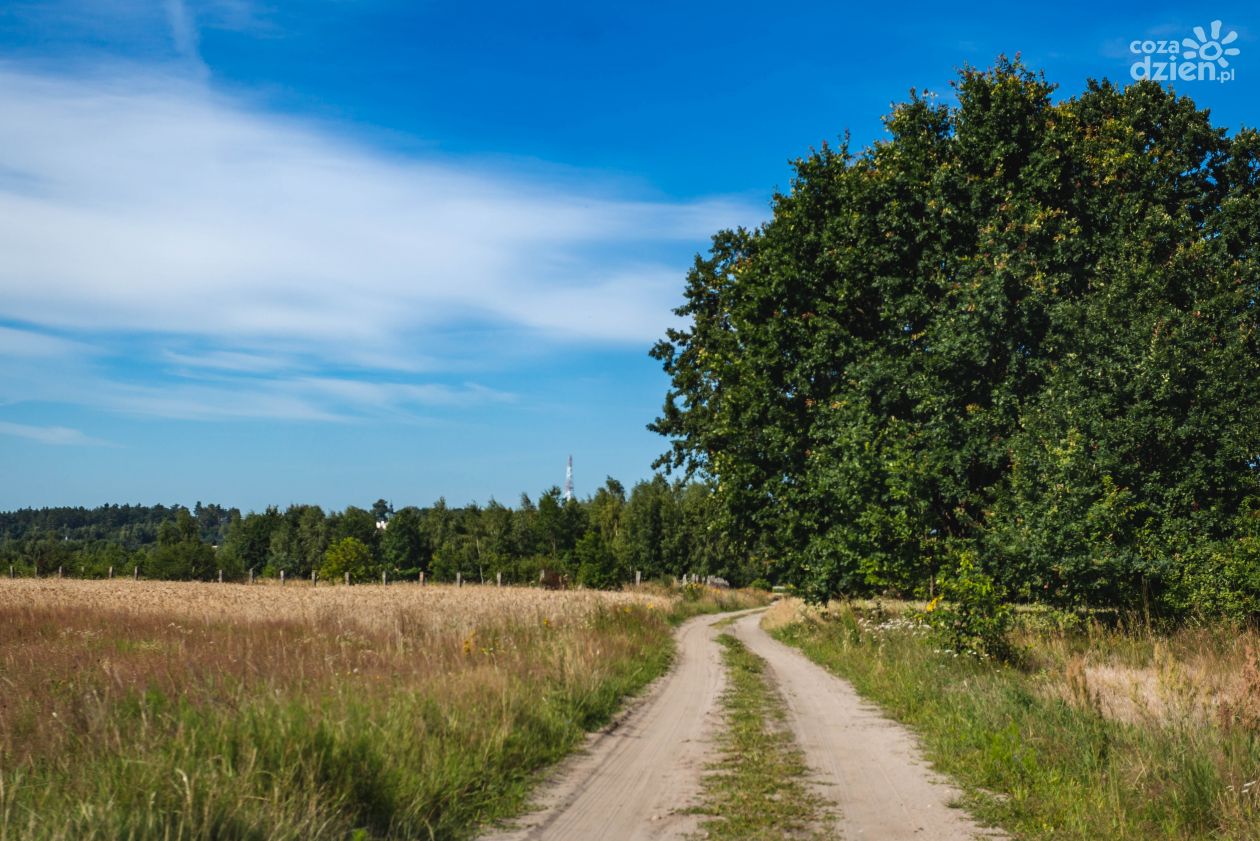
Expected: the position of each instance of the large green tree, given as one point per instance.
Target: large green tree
(1016, 326)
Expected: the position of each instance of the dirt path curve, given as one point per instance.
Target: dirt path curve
(869, 766)
(635, 777)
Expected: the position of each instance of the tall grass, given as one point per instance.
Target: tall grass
(1049, 750)
(157, 710)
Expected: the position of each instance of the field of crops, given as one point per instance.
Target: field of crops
(154, 709)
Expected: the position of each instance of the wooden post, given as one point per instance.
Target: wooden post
(638, 577)
(459, 579)
(58, 572)
(251, 575)
(10, 570)
(382, 577)
(220, 576)
(111, 573)
(498, 579)
(421, 578)
(135, 574)
(312, 578)
(282, 578)
(347, 579)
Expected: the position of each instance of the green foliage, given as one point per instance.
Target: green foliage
(180, 554)
(597, 565)
(349, 555)
(970, 615)
(660, 529)
(1022, 325)
(404, 545)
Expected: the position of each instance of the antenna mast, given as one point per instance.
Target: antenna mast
(568, 481)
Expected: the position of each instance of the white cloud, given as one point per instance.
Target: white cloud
(58, 435)
(26, 344)
(224, 239)
(150, 205)
(184, 33)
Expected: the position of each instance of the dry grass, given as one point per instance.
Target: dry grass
(439, 607)
(1197, 675)
(784, 612)
(111, 689)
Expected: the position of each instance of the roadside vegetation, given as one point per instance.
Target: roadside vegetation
(182, 711)
(759, 789)
(1101, 730)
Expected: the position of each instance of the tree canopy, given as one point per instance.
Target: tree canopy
(1017, 326)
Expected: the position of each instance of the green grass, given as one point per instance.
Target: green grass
(1035, 759)
(758, 789)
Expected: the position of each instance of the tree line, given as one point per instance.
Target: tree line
(1017, 335)
(657, 529)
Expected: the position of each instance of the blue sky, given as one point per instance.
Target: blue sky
(327, 252)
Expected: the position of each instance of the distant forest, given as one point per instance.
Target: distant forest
(658, 529)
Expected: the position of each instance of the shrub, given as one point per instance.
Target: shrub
(969, 615)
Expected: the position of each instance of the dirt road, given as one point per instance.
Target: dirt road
(867, 765)
(636, 780)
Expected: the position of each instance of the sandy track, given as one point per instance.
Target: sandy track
(867, 765)
(634, 778)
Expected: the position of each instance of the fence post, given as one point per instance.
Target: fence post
(220, 576)
(135, 574)
(638, 577)
(312, 578)
(251, 575)
(459, 579)
(281, 578)
(421, 578)
(347, 579)
(382, 577)
(498, 579)
(10, 570)
(111, 573)
(58, 572)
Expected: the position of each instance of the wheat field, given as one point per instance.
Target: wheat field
(144, 709)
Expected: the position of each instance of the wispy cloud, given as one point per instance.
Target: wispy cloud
(27, 344)
(56, 435)
(262, 247)
(184, 34)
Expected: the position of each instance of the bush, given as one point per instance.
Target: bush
(969, 616)
(348, 555)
